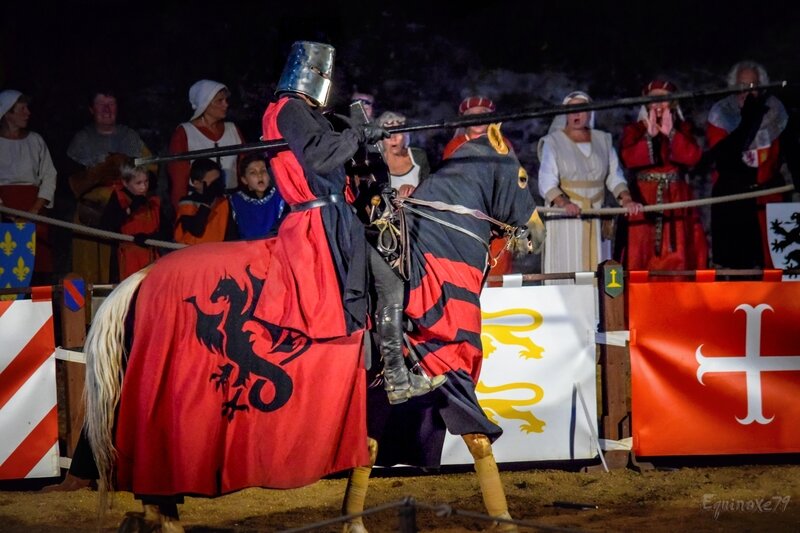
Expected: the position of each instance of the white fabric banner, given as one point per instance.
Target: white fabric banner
(783, 234)
(539, 349)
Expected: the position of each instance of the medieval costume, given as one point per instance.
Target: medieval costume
(139, 216)
(199, 133)
(27, 174)
(200, 221)
(669, 240)
(256, 217)
(745, 146)
(582, 172)
(101, 155)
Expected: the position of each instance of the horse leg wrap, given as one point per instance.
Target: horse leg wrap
(356, 493)
(152, 514)
(399, 383)
(494, 497)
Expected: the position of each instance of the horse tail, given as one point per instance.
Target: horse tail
(105, 354)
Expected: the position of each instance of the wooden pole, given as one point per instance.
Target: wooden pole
(615, 368)
(72, 374)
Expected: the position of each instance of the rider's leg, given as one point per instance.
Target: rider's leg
(399, 383)
(494, 497)
(356, 493)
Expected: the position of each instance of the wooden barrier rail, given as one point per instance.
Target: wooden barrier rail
(613, 369)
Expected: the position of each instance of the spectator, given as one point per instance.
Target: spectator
(367, 101)
(257, 206)
(204, 215)
(206, 129)
(407, 165)
(744, 134)
(577, 163)
(27, 174)
(100, 149)
(132, 210)
(659, 149)
(472, 105)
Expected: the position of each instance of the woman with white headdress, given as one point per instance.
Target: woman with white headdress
(578, 163)
(27, 174)
(206, 129)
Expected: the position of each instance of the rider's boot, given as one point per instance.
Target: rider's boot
(399, 383)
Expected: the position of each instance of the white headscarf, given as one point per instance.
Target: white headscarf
(201, 94)
(8, 98)
(560, 121)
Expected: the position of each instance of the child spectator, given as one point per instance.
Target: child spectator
(257, 206)
(132, 210)
(204, 215)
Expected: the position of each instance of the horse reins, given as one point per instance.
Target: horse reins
(508, 230)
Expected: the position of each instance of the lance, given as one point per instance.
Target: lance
(476, 120)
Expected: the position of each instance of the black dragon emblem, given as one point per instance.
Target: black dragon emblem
(789, 237)
(232, 335)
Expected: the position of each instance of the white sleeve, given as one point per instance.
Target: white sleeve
(46, 174)
(615, 181)
(548, 171)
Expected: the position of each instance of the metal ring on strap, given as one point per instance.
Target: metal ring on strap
(317, 202)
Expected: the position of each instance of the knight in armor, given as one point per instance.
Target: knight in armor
(337, 277)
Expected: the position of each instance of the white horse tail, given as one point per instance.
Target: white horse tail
(105, 350)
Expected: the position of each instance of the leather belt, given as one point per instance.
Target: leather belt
(658, 176)
(317, 202)
(662, 180)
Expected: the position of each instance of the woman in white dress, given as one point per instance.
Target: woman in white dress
(577, 163)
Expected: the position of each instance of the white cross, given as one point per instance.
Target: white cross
(752, 364)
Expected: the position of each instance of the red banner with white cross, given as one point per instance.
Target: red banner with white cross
(715, 367)
(28, 412)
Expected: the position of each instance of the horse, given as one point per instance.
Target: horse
(189, 392)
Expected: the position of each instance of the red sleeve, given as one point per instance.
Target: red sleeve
(683, 149)
(636, 150)
(715, 134)
(178, 170)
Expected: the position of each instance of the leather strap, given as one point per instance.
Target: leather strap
(317, 202)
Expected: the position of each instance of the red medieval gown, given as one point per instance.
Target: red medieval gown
(667, 240)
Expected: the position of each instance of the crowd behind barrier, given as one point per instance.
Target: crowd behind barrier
(767, 160)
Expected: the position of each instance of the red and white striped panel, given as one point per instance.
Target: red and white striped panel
(28, 411)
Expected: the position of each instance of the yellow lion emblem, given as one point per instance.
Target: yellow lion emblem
(504, 333)
(513, 330)
(505, 408)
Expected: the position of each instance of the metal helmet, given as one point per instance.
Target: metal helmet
(308, 71)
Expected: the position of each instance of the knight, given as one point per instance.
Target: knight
(337, 269)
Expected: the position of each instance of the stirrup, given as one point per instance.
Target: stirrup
(417, 386)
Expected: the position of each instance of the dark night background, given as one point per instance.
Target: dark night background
(419, 58)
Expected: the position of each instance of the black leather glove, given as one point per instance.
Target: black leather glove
(370, 133)
(139, 238)
(753, 110)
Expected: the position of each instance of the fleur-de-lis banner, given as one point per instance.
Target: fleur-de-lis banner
(17, 253)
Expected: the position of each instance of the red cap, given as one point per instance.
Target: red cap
(475, 101)
(659, 84)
